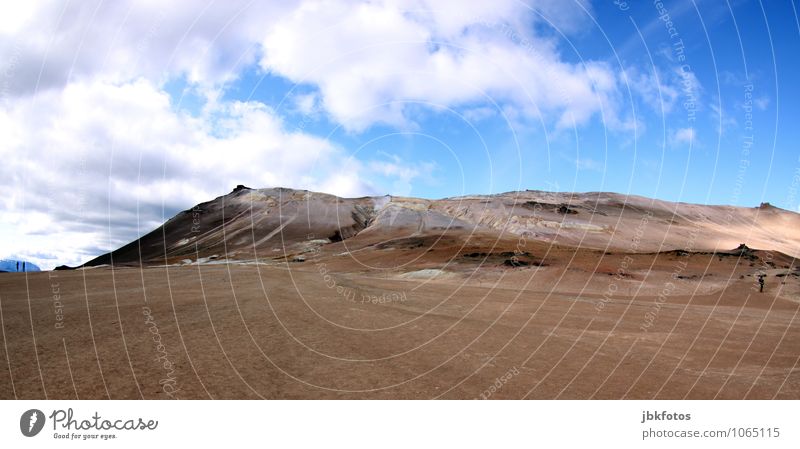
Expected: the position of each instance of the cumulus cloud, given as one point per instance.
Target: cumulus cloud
(51, 43)
(371, 60)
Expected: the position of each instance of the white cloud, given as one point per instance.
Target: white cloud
(16, 15)
(684, 136)
(369, 60)
(658, 90)
(478, 114)
(91, 166)
(403, 174)
(306, 104)
(62, 41)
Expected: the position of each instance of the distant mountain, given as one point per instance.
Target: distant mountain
(281, 223)
(13, 266)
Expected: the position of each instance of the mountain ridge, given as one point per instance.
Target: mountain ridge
(251, 224)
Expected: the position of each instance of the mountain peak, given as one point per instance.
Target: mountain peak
(272, 222)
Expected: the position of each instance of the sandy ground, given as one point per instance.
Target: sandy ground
(471, 328)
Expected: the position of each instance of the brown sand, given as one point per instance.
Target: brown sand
(272, 332)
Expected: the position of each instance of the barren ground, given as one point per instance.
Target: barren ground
(246, 331)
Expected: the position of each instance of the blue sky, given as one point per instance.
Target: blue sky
(114, 117)
(728, 50)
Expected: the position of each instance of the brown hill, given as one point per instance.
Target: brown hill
(261, 225)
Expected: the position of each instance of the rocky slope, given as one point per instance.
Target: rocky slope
(284, 224)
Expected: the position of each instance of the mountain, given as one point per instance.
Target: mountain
(280, 224)
(13, 266)
(281, 293)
